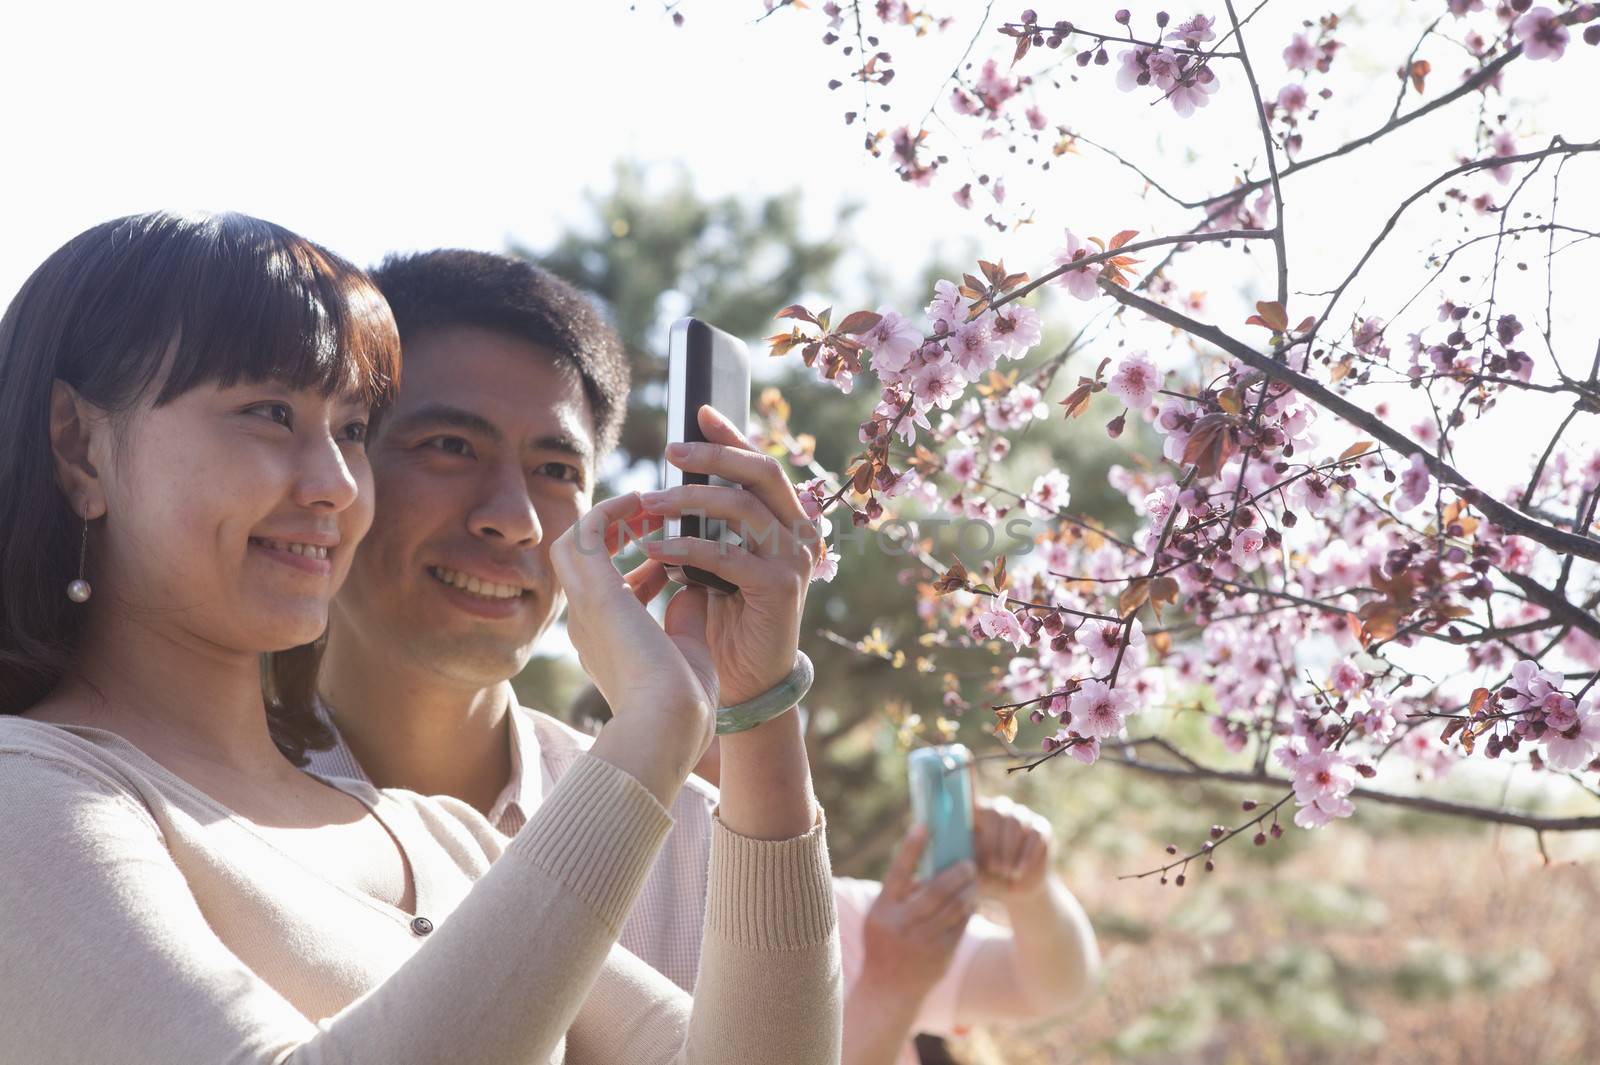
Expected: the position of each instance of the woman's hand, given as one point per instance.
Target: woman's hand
(752, 634)
(913, 927)
(1012, 845)
(659, 676)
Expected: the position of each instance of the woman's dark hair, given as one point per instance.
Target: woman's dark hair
(169, 302)
(455, 287)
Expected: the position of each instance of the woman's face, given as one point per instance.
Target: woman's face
(232, 513)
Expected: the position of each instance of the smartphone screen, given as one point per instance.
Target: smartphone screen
(704, 366)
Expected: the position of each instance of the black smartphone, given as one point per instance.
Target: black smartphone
(704, 365)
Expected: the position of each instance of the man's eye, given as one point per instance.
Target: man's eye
(277, 412)
(450, 445)
(356, 432)
(563, 471)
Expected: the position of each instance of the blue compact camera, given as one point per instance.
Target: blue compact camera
(941, 798)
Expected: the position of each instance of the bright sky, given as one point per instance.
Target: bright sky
(373, 127)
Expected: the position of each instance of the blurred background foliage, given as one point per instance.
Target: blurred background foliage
(1397, 937)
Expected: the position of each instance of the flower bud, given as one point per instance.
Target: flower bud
(1123, 16)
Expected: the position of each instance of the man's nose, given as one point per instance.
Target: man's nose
(505, 511)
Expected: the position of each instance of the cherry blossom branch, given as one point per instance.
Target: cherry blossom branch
(1209, 847)
(1470, 85)
(1558, 146)
(1195, 771)
(1073, 29)
(1272, 159)
(1508, 518)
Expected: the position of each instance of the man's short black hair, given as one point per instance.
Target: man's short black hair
(456, 287)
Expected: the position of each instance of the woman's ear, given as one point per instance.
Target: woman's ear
(74, 425)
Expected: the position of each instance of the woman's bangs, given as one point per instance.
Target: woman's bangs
(267, 305)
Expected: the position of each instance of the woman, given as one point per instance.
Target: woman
(183, 404)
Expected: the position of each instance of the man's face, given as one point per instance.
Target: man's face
(485, 459)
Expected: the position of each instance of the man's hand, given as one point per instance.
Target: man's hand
(913, 927)
(1013, 847)
(754, 633)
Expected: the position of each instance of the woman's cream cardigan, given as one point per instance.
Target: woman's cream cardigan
(144, 924)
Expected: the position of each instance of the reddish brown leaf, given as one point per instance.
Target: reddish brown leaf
(795, 310)
(1419, 73)
(862, 479)
(1023, 43)
(1272, 315)
(1078, 401)
(858, 322)
(1212, 442)
(1122, 238)
(1355, 450)
(1134, 596)
(1005, 725)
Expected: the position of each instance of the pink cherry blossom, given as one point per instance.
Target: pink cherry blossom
(939, 382)
(962, 464)
(1301, 53)
(1321, 782)
(1165, 67)
(1248, 546)
(1504, 143)
(1087, 752)
(1415, 483)
(1080, 282)
(973, 348)
(1104, 639)
(1461, 8)
(1292, 97)
(1574, 747)
(1193, 90)
(826, 567)
(1194, 31)
(891, 342)
(1036, 119)
(1016, 329)
(945, 310)
(999, 623)
(1051, 492)
(1099, 710)
(1135, 381)
(1348, 677)
(1542, 33)
(1132, 68)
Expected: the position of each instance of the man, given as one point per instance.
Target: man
(513, 389)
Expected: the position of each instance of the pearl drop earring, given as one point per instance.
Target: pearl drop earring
(79, 591)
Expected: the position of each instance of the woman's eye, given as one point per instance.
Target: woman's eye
(277, 412)
(450, 445)
(356, 432)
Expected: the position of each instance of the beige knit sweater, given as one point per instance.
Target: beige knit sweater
(144, 924)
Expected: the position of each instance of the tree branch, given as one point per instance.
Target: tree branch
(1507, 517)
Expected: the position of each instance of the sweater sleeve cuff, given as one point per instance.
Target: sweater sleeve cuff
(771, 894)
(597, 834)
